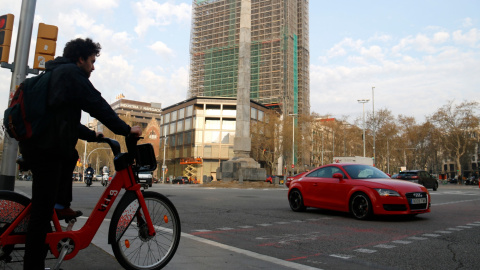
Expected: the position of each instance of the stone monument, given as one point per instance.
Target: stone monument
(242, 167)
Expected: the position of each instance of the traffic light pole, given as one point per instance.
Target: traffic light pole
(19, 73)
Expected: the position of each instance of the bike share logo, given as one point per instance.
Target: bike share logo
(107, 200)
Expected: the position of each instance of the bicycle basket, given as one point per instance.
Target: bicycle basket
(145, 158)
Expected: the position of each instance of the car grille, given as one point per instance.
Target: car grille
(417, 195)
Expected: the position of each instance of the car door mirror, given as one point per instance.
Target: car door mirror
(339, 176)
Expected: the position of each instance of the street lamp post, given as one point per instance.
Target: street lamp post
(363, 101)
(293, 142)
(374, 124)
(163, 166)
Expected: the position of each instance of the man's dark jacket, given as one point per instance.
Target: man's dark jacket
(71, 92)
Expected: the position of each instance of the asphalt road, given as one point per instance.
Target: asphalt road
(257, 227)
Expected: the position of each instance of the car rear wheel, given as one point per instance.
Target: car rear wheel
(360, 206)
(295, 199)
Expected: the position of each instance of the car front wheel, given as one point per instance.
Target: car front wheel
(295, 199)
(360, 206)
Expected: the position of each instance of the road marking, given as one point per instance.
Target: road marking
(464, 227)
(264, 224)
(454, 229)
(384, 246)
(365, 250)
(402, 242)
(436, 204)
(417, 238)
(443, 231)
(341, 256)
(225, 229)
(246, 227)
(473, 224)
(431, 235)
(202, 230)
(250, 253)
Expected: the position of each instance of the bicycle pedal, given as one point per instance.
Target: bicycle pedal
(67, 220)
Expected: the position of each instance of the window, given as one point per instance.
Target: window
(181, 113)
(212, 136)
(180, 126)
(228, 124)
(188, 123)
(260, 115)
(253, 113)
(173, 116)
(166, 118)
(189, 111)
(227, 137)
(198, 137)
(172, 128)
(212, 124)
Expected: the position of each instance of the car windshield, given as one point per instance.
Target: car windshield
(364, 172)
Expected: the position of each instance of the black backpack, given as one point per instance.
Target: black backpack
(27, 117)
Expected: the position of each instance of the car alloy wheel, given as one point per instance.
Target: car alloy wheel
(295, 199)
(360, 206)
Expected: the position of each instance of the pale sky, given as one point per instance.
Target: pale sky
(418, 54)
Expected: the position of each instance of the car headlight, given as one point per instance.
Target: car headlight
(387, 192)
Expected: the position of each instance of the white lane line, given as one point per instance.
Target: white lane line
(384, 246)
(250, 253)
(246, 227)
(225, 229)
(417, 238)
(443, 231)
(403, 242)
(202, 230)
(341, 256)
(473, 224)
(431, 235)
(365, 250)
(445, 203)
(454, 229)
(264, 224)
(464, 227)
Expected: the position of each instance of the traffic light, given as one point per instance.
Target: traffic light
(46, 45)
(6, 27)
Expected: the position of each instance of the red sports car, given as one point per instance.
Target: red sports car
(362, 190)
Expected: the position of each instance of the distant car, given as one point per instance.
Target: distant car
(181, 180)
(76, 176)
(145, 178)
(98, 177)
(361, 190)
(291, 178)
(394, 176)
(419, 177)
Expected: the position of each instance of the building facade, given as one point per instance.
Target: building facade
(199, 135)
(279, 52)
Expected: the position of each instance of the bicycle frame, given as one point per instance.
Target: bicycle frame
(83, 237)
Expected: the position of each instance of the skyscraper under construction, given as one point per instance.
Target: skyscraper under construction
(279, 62)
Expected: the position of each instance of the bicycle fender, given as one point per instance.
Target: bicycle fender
(126, 215)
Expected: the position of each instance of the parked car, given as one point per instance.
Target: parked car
(361, 190)
(419, 177)
(145, 178)
(181, 180)
(394, 176)
(291, 178)
(98, 177)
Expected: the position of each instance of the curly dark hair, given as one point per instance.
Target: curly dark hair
(79, 47)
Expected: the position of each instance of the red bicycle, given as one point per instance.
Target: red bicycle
(144, 229)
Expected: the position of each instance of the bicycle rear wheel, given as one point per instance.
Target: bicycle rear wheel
(11, 205)
(128, 232)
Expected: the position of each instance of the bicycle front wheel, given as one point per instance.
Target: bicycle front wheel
(128, 234)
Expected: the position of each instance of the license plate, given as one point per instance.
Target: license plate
(418, 201)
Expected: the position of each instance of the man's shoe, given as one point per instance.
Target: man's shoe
(67, 213)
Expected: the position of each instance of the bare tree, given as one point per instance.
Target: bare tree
(457, 123)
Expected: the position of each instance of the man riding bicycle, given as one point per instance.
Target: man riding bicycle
(70, 92)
